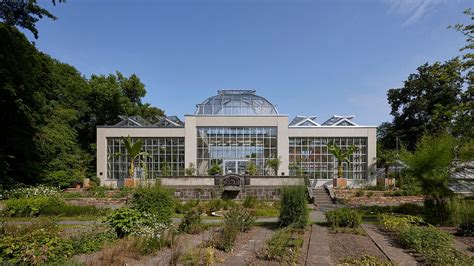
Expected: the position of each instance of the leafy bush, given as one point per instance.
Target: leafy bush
(154, 199)
(466, 226)
(409, 209)
(240, 218)
(28, 207)
(215, 170)
(396, 223)
(192, 222)
(92, 241)
(34, 245)
(225, 238)
(344, 217)
(294, 209)
(250, 202)
(124, 220)
(283, 246)
(184, 207)
(32, 192)
(435, 245)
(213, 206)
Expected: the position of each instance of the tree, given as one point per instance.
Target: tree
(24, 14)
(416, 106)
(432, 163)
(341, 156)
(134, 153)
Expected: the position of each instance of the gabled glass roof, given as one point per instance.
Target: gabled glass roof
(138, 121)
(236, 102)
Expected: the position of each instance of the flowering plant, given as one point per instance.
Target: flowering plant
(32, 192)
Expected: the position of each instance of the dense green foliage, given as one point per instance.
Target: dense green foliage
(344, 217)
(92, 241)
(240, 218)
(294, 209)
(215, 170)
(192, 222)
(124, 220)
(155, 200)
(50, 113)
(435, 245)
(37, 243)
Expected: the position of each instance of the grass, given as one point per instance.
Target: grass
(58, 218)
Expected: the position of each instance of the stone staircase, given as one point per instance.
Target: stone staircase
(322, 200)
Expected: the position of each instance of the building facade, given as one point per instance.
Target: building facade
(231, 130)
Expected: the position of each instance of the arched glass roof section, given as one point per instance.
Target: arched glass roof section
(236, 102)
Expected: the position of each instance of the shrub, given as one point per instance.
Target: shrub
(466, 226)
(240, 218)
(154, 199)
(28, 207)
(184, 207)
(283, 246)
(215, 170)
(250, 202)
(397, 223)
(344, 217)
(213, 206)
(192, 222)
(294, 209)
(360, 193)
(92, 241)
(34, 245)
(225, 238)
(124, 220)
(228, 204)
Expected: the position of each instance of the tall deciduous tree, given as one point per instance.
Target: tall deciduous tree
(416, 106)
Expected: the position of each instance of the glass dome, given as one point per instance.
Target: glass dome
(236, 102)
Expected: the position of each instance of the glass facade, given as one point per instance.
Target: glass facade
(233, 147)
(165, 156)
(312, 156)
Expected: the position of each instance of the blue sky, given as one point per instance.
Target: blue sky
(309, 57)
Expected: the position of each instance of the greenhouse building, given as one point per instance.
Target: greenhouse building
(229, 132)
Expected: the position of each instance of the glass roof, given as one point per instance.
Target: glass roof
(236, 102)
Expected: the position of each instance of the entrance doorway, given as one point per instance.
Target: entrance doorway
(235, 166)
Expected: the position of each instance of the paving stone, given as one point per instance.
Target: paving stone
(318, 249)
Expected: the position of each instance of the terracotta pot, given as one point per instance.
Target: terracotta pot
(339, 182)
(130, 182)
(78, 185)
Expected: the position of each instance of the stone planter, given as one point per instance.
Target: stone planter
(131, 182)
(385, 182)
(339, 182)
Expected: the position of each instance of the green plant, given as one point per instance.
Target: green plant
(213, 206)
(191, 170)
(466, 225)
(154, 199)
(344, 217)
(240, 218)
(397, 223)
(366, 260)
(27, 207)
(192, 222)
(225, 238)
(250, 202)
(360, 193)
(251, 168)
(341, 155)
(165, 169)
(32, 192)
(294, 209)
(274, 164)
(34, 245)
(283, 246)
(215, 169)
(409, 209)
(133, 153)
(92, 241)
(124, 220)
(370, 194)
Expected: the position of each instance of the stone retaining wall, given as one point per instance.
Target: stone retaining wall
(213, 192)
(376, 198)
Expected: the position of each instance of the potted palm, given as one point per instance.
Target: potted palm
(386, 159)
(341, 156)
(135, 154)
